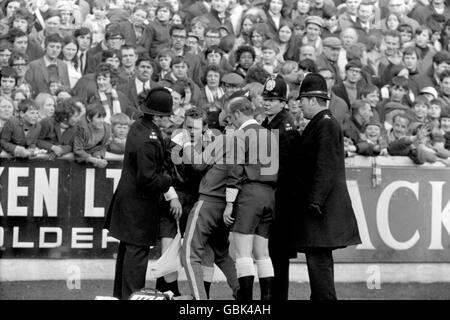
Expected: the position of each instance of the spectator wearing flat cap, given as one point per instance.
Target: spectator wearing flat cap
(52, 22)
(330, 55)
(232, 82)
(313, 31)
(134, 212)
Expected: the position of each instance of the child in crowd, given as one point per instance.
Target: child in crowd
(97, 21)
(120, 125)
(93, 134)
(58, 131)
(398, 89)
(445, 126)
(164, 60)
(8, 81)
(55, 85)
(270, 63)
(420, 110)
(371, 94)
(434, 112)
(374, 143)
(19, 135)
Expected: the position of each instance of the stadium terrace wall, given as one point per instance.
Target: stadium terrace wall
(55, 210)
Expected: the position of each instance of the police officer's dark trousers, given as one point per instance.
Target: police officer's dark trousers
(131, 268)
(321, 273)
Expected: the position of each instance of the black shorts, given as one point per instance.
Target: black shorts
(254, 209)
(167, 223)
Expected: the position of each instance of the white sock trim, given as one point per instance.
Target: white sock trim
(265, 268)
(245, 267)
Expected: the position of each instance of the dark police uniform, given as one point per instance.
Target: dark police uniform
(134, 210)
(288, 137)
(324, 219)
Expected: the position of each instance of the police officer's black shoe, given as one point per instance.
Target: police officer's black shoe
(266, 286)
(161, 284)
(173, 286)
(245, 292)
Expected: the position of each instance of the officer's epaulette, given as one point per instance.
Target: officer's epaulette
(288, 127)
(153, 136)
(326, 117)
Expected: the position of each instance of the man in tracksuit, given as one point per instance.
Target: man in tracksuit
(205, 226)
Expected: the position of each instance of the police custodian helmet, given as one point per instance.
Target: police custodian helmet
(158, 102)
(313, 85)
(275, 88)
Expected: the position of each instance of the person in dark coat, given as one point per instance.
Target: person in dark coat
(135, 208)
(279, 118)
(324, 219)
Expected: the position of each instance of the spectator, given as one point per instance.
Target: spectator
(19, 62)
(58, 131)
(371, 94)
(5, 54)
(142, 81)
(292, 74)
(218, 15)
(8, 81)
(6, 111)
(212, 91)
(128, 62)
(178, 94)
(69, 54)
(373, 143)
(288, 43)
(349, 89)
(120, 125)
(329, 57)
(313, 30)
(22, 43)
(159, 31)
(338, 107)
(18, 96)
(92, 137)
(52, 24)
(97, 21)
(245, 57)
(398, 89)
(136, 29)
(19, 135)
(444, 86)
(354, 125)
(39, 71)
(46, 105)
(84, 41)
(178, 36)
(164, 61)
(112, 100)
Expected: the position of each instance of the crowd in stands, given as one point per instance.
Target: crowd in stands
(73, 72)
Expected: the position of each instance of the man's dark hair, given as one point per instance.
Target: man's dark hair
(65, 109)
(82, 32)
(441, 57)
(8, 72)
(113, 53)
(15, 33)
(178, 60)
(16, 56)
(177, 27)
(22, 13)
(144, 57)
(443, 75)
(52, 38)
(213, 48)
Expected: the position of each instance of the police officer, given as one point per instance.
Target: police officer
(134, 211)
(324, 220)
(278, 118)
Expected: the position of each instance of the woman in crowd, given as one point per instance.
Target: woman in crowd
(289, 44)
(212, 92)
(69, 56)
(259, 34)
